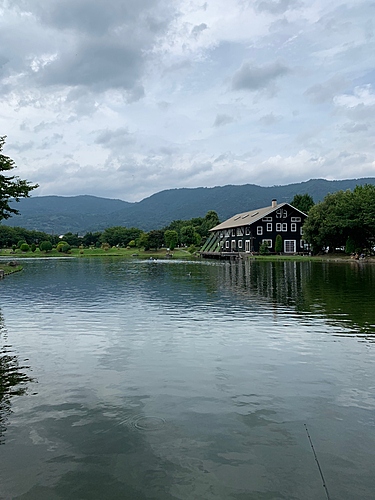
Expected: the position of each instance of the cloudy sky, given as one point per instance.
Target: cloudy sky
(124, 98)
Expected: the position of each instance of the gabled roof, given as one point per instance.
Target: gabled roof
(248, 218)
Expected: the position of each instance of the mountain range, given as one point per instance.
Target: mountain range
(80, 214)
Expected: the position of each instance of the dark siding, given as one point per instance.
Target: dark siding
(256, 239)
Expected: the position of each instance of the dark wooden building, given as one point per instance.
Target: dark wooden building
(247, 231)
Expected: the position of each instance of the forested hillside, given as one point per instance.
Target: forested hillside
(57, 214)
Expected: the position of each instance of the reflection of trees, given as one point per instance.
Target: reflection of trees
(13, 380)
(342, 293)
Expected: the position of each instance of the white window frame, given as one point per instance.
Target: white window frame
(247, 230)
(285, 227)
(233, 231)
(293, 227)
(233, 245)
(269, 241)
(259, 230)
(227, 244)
(269, 227)
(302, 243)
(295, 219)
(278, 226)
(247, 246)
(239, 243)
(286, 244)
(239, 231)
(301, 231)
(267, 219)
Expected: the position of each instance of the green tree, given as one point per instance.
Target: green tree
(24, 247)
(171, 239)
(11, 186)
(156, 238)
(343, 215)
(263, 248)
(189, 236)
(278, 244)
(33, 247)
(72, 239)
(303, 202)
(45, 246)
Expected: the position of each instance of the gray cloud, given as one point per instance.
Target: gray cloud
(326, 91)
(197, 30)
(355, 127)
(221, 120)
(49, 142)
(21, 147)
(276, 6)
(269, 119)
(252, 77)
(114, 139)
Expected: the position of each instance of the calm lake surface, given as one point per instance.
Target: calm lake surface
(125, 379)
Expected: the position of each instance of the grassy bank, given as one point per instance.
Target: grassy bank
(98, 252)
(10, 269)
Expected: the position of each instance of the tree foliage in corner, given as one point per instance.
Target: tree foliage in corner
(303, 202)
(345, 215)
(11, 186)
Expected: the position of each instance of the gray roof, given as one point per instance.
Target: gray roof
(249, 217)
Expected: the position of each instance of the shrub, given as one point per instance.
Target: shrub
(33, 247)
(81, 251)
(278, 244)
(60, 246)
(105, 246)
(20, 243)
(131, 243)
(192, 249)
(14, 247)
(263, 248)
(24, 247)
(65, 248)
(45, 246)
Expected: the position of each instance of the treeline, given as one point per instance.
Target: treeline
(179, 232)
(345, 219)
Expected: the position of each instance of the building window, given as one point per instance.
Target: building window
(233, 245)
(285, 227)
(293, 227)
(269, 242)
(247, 246)
(301, 230)
(239, 243)
(233, 232)
(259, 230)
(295, 219)
(267, 219)
(269, 226)
(227, 244)
(247, 230)
(289, 246)
(302, 243)
(239, 231)
(281, 213)
(278, 226)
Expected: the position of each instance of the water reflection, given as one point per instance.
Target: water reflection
(341, 293)
(13, 380)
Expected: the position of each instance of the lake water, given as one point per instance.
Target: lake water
(126, 379)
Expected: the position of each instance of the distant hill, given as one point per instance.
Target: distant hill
(60, 214)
